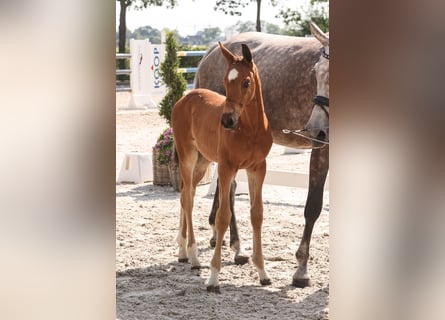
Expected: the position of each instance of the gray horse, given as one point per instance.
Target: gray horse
(286, 65)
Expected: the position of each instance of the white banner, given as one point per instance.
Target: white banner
(146, 84)
(157, 56)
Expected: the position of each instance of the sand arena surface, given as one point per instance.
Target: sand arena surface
(151, 284)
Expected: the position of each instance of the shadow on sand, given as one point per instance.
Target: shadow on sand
(173, 291)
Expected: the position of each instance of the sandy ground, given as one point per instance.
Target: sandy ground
(151, 284)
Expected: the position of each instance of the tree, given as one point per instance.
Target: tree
(232, 7)
(138, 4)
(297, 21)
(245, 26)
(210, 34)
(174, 81)
(154, 35)
(271, 28)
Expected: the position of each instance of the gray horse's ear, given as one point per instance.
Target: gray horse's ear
(320, 35)
(246, 53)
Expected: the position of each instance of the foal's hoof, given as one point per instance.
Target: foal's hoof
(213, 243)
(301, 283)
(265, 282)
(183, 260)
(213, 289)
(241, 259)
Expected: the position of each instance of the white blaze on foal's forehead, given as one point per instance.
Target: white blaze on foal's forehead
(232, 74)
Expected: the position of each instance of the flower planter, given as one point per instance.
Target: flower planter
(161, 175)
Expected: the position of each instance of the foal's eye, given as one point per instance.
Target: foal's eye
(246, 84)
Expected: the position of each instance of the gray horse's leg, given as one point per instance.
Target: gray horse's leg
(240, 256)
(319, 166)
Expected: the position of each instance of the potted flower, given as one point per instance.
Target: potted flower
(164, 147)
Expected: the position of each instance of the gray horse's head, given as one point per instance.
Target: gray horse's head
(317, 127)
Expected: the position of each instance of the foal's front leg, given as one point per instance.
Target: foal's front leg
(256, 179)
(221, 224)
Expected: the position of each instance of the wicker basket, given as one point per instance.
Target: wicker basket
(161, 175)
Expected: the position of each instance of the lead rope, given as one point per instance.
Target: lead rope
(298, 133)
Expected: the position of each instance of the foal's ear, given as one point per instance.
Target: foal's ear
(230, 57)
(246, 53)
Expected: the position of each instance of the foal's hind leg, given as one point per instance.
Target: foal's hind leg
(240, 256)
(199, 170)
(319, 166)
(181, 238)
(187, 248)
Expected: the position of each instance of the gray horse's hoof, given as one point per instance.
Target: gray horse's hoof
(301, 283)
(183, 260)
(213, 289)
(265, 282)
(196, 267)
(241, 259)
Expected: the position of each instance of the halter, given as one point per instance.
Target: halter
(323, 103)
(324, 54)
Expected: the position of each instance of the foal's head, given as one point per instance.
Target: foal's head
(240, 82)
(317, 126)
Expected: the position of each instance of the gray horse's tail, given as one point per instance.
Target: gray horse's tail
(196, 79)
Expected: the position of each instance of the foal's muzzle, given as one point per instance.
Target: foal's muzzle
(229, 120)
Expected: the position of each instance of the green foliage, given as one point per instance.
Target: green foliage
(232, 7)
(174, 81)
(297, 21)
(271, 28)
(138, 4)
(245, 26)
(266, 27)
(154, 35)
(143, 4)
(210, 34)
